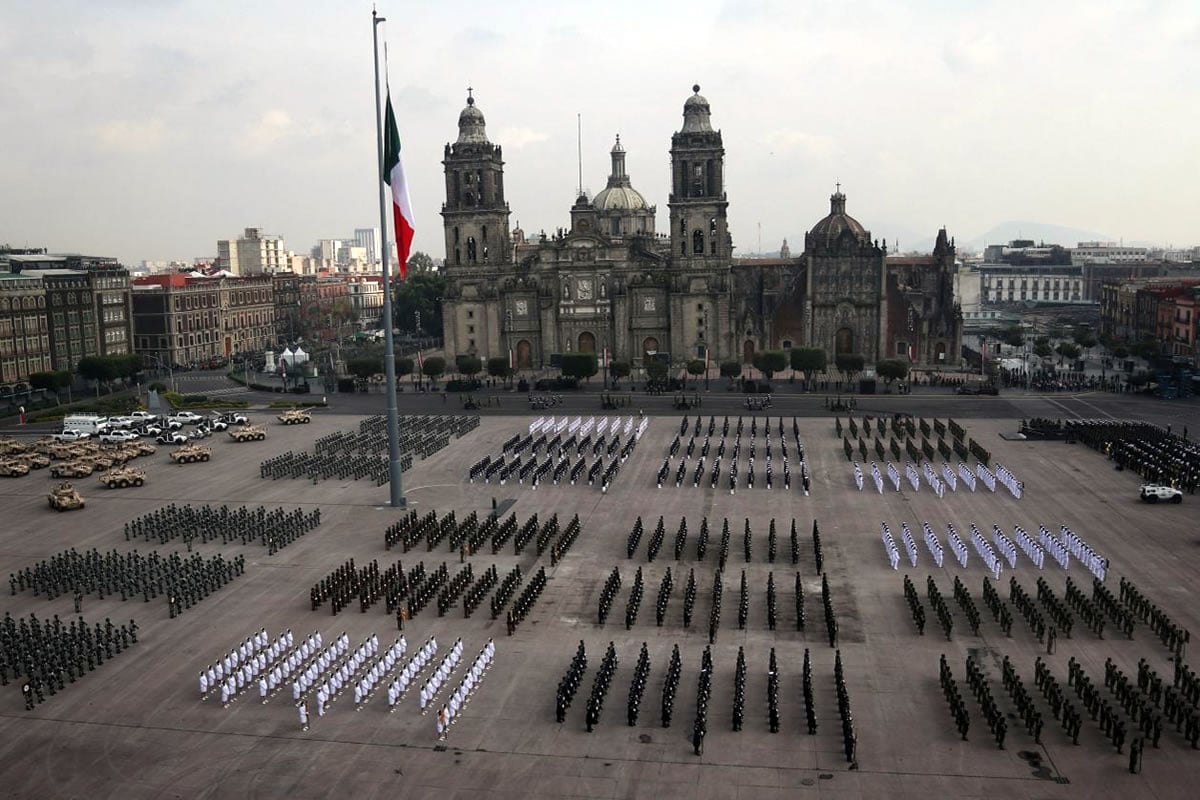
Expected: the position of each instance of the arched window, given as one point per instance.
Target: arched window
(698, 242)
(470, 249)
(712, 236)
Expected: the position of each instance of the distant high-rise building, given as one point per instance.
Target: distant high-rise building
(369, 239)
(253, 254)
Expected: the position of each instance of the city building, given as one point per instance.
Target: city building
(247, 314)
(368, 238)
(1107, 253)
(185, 321)
(285, 291)
(253, 254)
(72, 316)
(366, 298)
(1163, 309)
(24, 329)
(610, 281)
(1052, 283)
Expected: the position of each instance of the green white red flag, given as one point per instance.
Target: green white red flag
(393, 176)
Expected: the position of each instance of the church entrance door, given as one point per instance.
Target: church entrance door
(524, 354)
(843, 341)
(587, 342)
(650, 345)
(748, 352)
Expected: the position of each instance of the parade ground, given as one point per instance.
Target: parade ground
(137, 727)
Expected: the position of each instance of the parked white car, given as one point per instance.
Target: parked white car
(186, 417)
(141, 416)
(1156, 493)
(172, 437)
(117, 435)
(71, 435)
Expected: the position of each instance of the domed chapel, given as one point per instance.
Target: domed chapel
(610, 281)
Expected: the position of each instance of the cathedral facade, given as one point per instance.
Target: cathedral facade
(611, 283)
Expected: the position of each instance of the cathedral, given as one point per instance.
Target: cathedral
(610, 282)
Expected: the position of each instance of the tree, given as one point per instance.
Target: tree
(43, 380)
(891, 369)
(579, 365)
(849, 364)
(419, 263)
(97, 368)
(808, 360)
(1042, 349)
(1042, 340)
(1120, 351)
(1085, 338)
(404, 366)
(695, 367)
(421, 294)
(1068, 351)
(469, 365)
(618, 370)
(497, 367)
(768, 362)
(434, 366)
(730, 369)
(656, 370)
(1012, 336)
(364, 367)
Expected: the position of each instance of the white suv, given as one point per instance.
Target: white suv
(1155, 493)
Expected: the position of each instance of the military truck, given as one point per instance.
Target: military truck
(32, 460)
(191, 453)
(248, 433)
(123, 477)
(65, 497)
(72, 469)
(295, 416)
(13, 469)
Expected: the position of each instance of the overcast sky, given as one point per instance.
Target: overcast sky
(148, 129)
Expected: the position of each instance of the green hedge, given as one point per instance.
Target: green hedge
(297, 403)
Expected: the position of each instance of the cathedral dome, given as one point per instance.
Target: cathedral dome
(471, 126)
(619, 194)
(623, 198)
(838, 221)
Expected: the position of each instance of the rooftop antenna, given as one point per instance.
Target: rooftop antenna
(579, 147)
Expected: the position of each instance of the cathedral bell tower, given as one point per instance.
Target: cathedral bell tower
(699, 232)
(475, 214)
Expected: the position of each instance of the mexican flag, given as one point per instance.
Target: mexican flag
(393, 176)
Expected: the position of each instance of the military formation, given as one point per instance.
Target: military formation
(45, 656)
(184, 582)
(702, 449)
(566, 444)
(363, 454)
(273, 528)
(1152, 451)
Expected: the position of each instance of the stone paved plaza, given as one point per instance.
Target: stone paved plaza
(136, 727)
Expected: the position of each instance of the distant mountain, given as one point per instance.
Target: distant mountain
(1039, 232)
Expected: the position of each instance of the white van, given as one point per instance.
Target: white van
(88, 423)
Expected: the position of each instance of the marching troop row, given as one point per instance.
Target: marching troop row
(939, 480)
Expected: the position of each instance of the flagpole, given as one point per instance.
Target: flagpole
(389, 343)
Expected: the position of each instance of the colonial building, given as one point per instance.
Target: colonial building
(182, 321)
(24, 332)
(611, 282)
(69, 305)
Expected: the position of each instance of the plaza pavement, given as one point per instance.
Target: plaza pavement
(136, 729)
